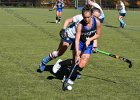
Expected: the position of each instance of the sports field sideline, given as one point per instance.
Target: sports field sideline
(27, 34)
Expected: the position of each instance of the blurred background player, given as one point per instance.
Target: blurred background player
(94, 4)
(59, 6)
(67, 37)
(122, 13)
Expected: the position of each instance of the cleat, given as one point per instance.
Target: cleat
(42, 67)
(56, 21)
(43, 63)
(57, 66)
(123, 25)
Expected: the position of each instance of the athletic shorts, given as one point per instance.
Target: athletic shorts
(88, 50)
(122, 14)
(70, 41)
(59, 9)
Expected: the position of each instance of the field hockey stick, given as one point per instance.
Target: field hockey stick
(65, 84)
(51, 9)
(116, 56)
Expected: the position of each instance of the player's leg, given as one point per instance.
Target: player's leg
(78, 74)
(123, 20)
(61, 49)
(84, 60)
(57, 66)
(77, 70)
(85, 55)
(68, 73)
(122, 23)
(59, 18)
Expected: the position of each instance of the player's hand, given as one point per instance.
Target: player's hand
(87, 43)
(94, 49)
(63, 34)
(77, 58)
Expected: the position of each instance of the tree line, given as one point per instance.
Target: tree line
(69, 3)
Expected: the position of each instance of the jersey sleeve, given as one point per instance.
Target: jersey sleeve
(77, 18)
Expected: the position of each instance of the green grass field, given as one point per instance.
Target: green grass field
(28, 34)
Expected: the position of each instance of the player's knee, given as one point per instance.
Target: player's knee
(83, 62)
(54, 54)
(66, 44)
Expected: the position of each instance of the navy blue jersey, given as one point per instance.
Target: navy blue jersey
(87, 32)
(59, 5)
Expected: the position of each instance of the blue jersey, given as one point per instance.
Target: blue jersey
(87, 32)
(59, 5)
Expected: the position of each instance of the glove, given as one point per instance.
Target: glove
(94, 49)
(63, 34)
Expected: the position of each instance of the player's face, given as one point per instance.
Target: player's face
(87, 16)
(96, 14)
(89, 2)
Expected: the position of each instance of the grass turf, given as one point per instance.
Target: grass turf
(28, 34)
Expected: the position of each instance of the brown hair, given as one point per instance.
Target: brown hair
(96, 9)
(87, 8)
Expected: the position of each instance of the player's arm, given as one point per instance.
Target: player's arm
(54, 7)
(73, 19)
(98, 33)
(62, 32)
(67, 22)
(77, 39)
(63, 5)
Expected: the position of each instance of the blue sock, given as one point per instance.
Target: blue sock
(46, 59)
(120, 24)
(121, 21)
